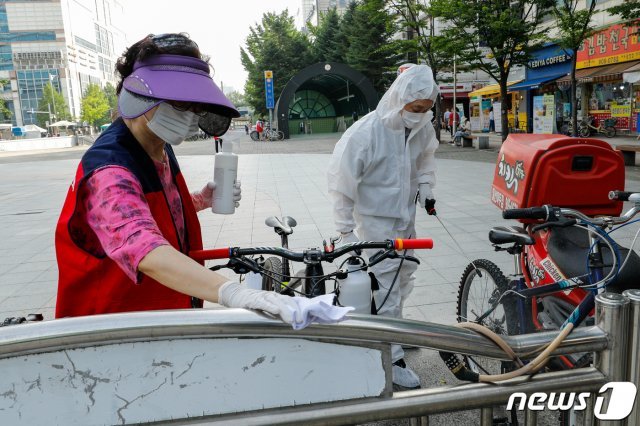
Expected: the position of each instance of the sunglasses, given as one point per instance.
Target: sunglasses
(194, 107)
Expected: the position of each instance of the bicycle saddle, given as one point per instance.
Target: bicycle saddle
(281, 226)
(510, 234)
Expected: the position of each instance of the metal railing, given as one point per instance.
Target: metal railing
(615, 339)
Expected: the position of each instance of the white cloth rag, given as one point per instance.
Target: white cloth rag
(319, 309)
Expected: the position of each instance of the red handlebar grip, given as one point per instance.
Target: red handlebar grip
(411, 244)
(202, 255)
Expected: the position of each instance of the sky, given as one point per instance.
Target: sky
(220, 27)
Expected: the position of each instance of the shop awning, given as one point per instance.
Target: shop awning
(492, 89)
(607, 72)
(534, 83)
(632, 75)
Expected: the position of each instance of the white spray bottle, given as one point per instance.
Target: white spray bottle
(355, 289)
(225, 173)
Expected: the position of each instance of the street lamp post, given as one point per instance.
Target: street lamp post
(33, 111)
(51, 78)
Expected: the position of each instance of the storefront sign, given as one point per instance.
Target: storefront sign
(612, 45)
(543, 114)
(460, 88)
(497, 116)
(474, 111)
(620, 110)
(551, 60)
(486, 106)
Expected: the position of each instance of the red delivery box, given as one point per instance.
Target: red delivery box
(533, 170)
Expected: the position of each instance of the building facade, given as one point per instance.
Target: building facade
(313, 9)
(70, 43)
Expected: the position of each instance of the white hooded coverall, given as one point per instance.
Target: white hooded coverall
(374, 176)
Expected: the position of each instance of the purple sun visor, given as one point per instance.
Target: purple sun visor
(176, 78)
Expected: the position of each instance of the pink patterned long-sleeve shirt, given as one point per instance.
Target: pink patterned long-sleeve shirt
(118, 213)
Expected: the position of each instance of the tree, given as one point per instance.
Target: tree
(95, 106)
(493, 36)
(370, 48)
(51, 101)
(629, 10)
(275, 44)
(238, 99)
(112, 99)
(326, 46)
(345, 32)
(4, 111)
(574, 26)
(422, 42)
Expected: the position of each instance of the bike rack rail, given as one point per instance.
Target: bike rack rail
(615, 339)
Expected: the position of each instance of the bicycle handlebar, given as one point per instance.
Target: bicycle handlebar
(624, 195)
(528, 213)
(551, 213)
(312, 254)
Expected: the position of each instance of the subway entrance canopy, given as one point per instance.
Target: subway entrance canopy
(322, 98)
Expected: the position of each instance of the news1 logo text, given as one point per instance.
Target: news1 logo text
(621, 401)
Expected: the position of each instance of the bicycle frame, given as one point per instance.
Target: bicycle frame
(526, 289)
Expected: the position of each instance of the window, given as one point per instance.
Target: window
(84, 43)
(30, 87)
(6, 37)
(311, 104)
(6, 59)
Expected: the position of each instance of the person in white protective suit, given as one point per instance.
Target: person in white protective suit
(376, 171)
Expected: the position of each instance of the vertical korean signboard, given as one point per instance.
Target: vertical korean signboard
(268, 92)
(268, 89)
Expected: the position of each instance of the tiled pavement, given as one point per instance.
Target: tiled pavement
(274, 182)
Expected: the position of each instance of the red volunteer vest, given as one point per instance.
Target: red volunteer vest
(89, 282)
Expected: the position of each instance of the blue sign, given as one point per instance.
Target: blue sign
(268, 89)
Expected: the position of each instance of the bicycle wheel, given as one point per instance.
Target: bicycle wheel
(482, 286)
(254, 135)
(272, 274)
(280, 135)
(609, 131)
(584, 131)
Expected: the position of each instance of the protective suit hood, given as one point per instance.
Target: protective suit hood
(414, 83)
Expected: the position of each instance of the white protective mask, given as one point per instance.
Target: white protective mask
(173, 126)
(412, 119)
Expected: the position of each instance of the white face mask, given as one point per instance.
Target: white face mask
(173, 126)
(412, 119)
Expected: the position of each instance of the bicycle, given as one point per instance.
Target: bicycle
(314, 278)
(581, 256)
(558, 243)
(273, 135)
(606, 127)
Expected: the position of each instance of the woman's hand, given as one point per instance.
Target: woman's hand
(204, 198)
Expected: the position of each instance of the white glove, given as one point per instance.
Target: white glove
(426, 193)
(297, 311)
(210, 188)
(233, 295)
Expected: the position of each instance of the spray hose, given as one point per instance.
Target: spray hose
(462, 372)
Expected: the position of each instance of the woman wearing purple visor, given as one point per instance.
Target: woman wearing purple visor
(129, 221)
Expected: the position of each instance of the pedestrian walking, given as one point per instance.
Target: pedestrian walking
(447, 114)
(454, 116)
(354, 116)
(246, 129)
(377, 169)
(492, 123)
(260, 129)
(218, 141)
